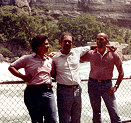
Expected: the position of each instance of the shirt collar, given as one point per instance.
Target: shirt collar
(61, 54)
(107, 50)
(45, 57)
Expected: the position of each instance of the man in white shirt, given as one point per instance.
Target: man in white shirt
(68, 80)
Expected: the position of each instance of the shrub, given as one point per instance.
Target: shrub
(5, 52)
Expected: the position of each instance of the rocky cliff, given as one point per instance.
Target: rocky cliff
(117, 11)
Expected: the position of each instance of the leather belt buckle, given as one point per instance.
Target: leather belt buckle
(99, 81)
(49, 86)
(74, 86)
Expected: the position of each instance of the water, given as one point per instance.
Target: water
(13, 110)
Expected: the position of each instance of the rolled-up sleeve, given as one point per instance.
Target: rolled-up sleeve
(19, 63)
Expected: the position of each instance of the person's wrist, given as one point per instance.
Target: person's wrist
(116, 86)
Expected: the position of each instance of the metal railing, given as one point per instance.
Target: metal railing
(13, 109)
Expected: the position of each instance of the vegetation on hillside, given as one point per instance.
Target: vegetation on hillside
(18, 28)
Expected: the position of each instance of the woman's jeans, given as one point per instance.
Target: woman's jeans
(97, 90)
(40, 102)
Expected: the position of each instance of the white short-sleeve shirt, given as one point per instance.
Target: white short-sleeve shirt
(67, 66)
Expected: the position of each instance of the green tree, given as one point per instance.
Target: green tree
(18, 28)
(84, 28)
(114, 32)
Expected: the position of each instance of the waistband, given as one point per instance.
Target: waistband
(68, 86)
(41, 86)
(100, 81)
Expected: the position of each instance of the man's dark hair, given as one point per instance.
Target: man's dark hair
(37, 41)
(66, 33)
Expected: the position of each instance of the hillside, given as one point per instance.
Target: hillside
(119, 14)
(118, 11)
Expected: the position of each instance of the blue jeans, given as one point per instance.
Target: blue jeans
(40, 102)
(69, 104)
(97, 90)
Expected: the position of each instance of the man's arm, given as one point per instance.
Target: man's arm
(119, 80)
(112, 48)
(53, 71)
(16, 73)
(84, 57)
(120, 76)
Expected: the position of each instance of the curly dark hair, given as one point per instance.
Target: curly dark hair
(37, 41)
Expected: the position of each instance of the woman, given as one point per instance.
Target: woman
(38, 95)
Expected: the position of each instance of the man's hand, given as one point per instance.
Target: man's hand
(112, 48)
(111, 90)
(26, 78)
(52, 54)
(92, 47)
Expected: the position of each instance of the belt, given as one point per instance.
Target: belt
(100, 81)
(41, 86)
(68, 86)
